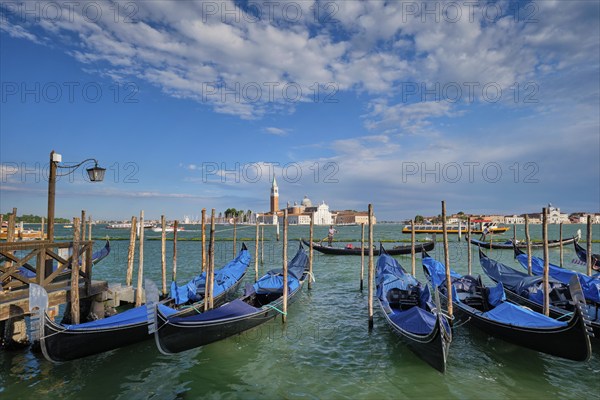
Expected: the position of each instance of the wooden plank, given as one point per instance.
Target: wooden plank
(19, 306)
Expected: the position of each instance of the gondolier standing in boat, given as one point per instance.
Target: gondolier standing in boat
(330, 234)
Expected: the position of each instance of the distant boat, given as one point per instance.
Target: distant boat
(167, 229)
(477, 227)
(508, 245)
(67, 226)
(127, 225)
(351, 250)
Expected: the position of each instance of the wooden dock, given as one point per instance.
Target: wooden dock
(39, 262)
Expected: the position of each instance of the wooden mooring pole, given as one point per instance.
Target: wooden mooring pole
(131, 252)
(175, 226)
(210, 269)
(262, 245)
(75, 272)
(589, 259)
(528, 239)
(89, 228)
(310, 250)
(560, 236)
(163, 253)
(371, 267)
(256, 250)
(203, 235)
(234, 235)
(447, 261)
(469, 254)
(362, 254)
(83, 230)
(546, 262)
(285, 266)
(83, 259)
(413, 261)
(140, 280)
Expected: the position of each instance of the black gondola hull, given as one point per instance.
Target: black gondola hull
(570, 341)
(432, 348)
(521, 245)
(60, 345)
(177, 337)
(336, 251)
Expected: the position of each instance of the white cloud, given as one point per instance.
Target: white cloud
(271, 130)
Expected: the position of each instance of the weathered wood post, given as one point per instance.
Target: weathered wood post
(447, 261)
(203, 235)
(131, 251)
(371, 267)
(546, 262)
(514, 239)
(83, 231)
(14, 330)
(83, 259)
(310, 250)
(277, 226)
(163, 253)
(209, 285)
(89, 227)
(234, 235)
(256, 251)
(412, 248)
(212, 259)
(362, 254)
(140, 281)
(528, 239)
(285, 266)
(175, 226)
(589, 259)
(469, 255)
(75, 273)
(262, 245)
(560, 237)
(10, 234)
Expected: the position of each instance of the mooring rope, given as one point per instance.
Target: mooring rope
(276, 309)
(459, 325)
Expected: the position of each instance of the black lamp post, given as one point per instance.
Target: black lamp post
(96, 174)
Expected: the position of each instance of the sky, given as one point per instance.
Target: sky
(492, 107)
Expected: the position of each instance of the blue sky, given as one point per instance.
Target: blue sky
(491, 107)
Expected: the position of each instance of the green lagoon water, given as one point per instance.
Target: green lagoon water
(325, 351)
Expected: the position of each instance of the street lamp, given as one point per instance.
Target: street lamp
(96, 174)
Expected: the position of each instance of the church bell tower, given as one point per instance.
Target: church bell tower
(274, 196)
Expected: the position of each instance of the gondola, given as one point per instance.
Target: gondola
(261, 303)
(355, 251)
(508, 245)
(411, 313)
(589, 284)
(101, 254)
(528, 291)
(582, 255)
(487, 309)
(63, 342)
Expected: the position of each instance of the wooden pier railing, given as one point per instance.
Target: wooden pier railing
(18, 271)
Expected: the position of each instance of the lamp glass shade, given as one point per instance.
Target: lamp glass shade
(96, 174)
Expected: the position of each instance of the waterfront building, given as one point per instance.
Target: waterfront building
(298, 214)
